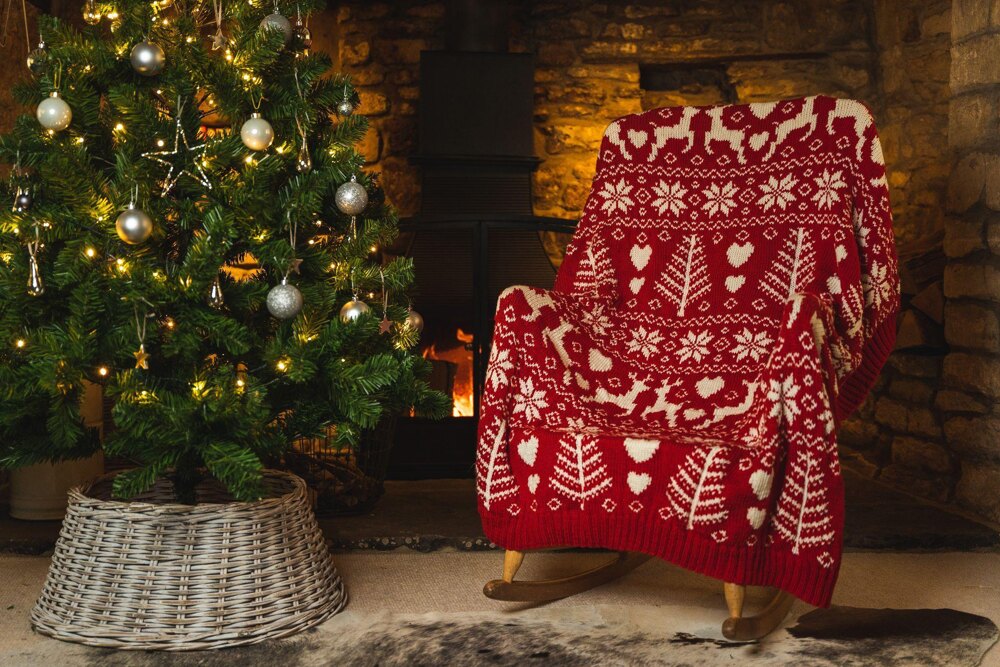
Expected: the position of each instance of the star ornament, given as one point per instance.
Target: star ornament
(169, 159)
(385, 325)
(141, 358)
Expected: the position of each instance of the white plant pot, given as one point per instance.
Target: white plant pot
(38, 492)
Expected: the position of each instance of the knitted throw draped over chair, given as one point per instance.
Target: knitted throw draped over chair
(729, 296)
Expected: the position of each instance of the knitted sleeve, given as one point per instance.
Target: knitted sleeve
(873, 235)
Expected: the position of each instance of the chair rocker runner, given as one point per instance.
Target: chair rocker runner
(727, 299)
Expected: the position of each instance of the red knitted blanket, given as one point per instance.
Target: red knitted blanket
(729, 296)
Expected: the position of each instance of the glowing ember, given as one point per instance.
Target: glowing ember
(459, 352)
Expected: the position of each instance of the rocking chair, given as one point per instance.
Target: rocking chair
(728, 298)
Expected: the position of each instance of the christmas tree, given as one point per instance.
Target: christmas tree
(191, 227)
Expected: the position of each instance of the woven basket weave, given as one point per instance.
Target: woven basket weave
(150, 574)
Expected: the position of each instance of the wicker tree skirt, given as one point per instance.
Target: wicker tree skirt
(154, 575)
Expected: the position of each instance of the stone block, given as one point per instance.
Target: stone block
(903, 418)
(949, 400)
(647, 11)
(968, 16)
(972, 280)
(974, 436)
(974, 62)
(372, 103)
(917, 332)
(977, 489)
(923, 483)
(356, 54)
(916, 365)
(968, 180)
(371, 145)
(858, 434)
(976, 373)
(936, 24)
(993, 237)
(973, 119)
(963, 236)
(367, 76)
(556, 54)
(911, 390)
(574, 137)
(921, 455)
(973, 326)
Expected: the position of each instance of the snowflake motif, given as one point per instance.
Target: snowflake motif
(529, 401)
(777, 193)
(500, 365)
(645, 342)
(596, 320)
(616, 197)
(694, 346)
(877, 287)
(827, 186)
(753, 345)
(719, 199)
(781, 395)
(669, 198)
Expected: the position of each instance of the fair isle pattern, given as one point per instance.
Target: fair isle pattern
(729, 297)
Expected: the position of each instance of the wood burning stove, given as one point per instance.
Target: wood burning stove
(476, 233)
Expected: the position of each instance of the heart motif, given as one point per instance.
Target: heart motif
(636, 284)
(599, 362)
(738, 254)
(641, 450)
(528, 449)
(638, 481)
(733, 283)
(833, 285)
(640, 256)
(840, 252)
(757, 140)
(756, 516)
(762, 109)
(708, 386)
(693, 413)
(533, 483)
(760, 482)
(638, 137)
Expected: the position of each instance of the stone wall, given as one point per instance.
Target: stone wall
(971, 373)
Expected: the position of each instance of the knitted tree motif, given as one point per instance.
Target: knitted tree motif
(494, 478)
(596, 274)
(686, 278)
(580, 473)
(803, 516)
(794, 268)
(695, 492)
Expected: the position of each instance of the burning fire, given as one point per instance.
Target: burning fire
(458, 352)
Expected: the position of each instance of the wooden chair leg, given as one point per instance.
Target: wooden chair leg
(508, 590)
(750, 628)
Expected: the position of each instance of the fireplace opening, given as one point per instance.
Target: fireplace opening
(454, 352)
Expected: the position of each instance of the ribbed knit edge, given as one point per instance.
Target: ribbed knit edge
(801, 576)
(856, 386)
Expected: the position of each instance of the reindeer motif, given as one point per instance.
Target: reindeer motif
(663, 405)
(624, 401)
(719, 132)
(805, 117)
(614, 135)
(680, 131)
(855, 111)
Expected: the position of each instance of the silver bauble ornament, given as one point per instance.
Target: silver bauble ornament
(303, 35)
(345, 108)
(352, 310)
(147, 58)
(133, 226)
(276, 21)
(35, 285)
(53, 112)
(284, 301)
(257, 134)
(22, 202)
(38, 60)
(351, 198)
(91, 14)
(415, 320)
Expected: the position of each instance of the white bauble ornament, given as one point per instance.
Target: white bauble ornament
(147, 58)
(257, 134)
(53, 112)
(284, 301)
(352, 310)
(276, 21)
(345, 108)
(351, 198)
(133, 226)
(415, 320)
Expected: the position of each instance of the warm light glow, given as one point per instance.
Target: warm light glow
(198, 388)
(90, 252)
(160, 142)
(458, 352)
(169, 322)
(189, 39)
(119, 127)
(19, 343)
(80, 140)
(312, 241)
(248, 159)
(113, 15)
(102, 371)
(229, 55)
(240, 383)
(122, 266)
(282, 365)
